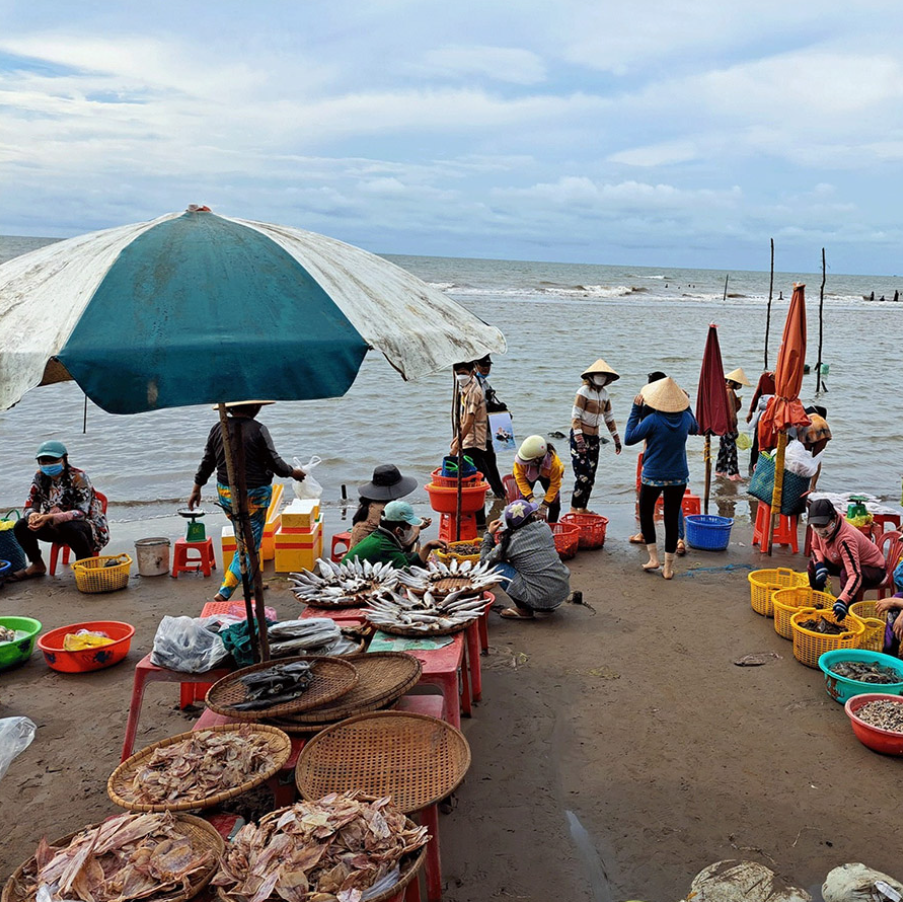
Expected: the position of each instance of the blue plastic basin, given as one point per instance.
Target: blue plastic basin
(841, 689)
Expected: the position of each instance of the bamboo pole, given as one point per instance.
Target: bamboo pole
(239, 533)
(456, 425)
(708, 469)
(770, 296)
(821, 323)
(777, 492)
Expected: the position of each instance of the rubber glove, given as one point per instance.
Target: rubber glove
(821, 575)
(840, 609)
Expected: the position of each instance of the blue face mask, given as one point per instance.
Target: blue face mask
(52, 469)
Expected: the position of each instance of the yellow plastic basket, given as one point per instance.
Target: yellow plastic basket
(94, 574)
(786, 602)
(764, 583)
(873, 639)
(808, 646)
(452, 555)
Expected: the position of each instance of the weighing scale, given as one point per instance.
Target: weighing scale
(196, 531)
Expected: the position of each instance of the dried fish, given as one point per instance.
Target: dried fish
(343, 584)
(275, 685)
(444, 579)
(133, 856)
(200, 766)
(333, 849)
(425, 613)
(884, 714)
(867, 672)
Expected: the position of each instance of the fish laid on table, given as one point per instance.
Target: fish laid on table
(332, 850)
(342, 584)
(275, 685)
(200, 766)
(444, 579)
(132, 856)
(885, 715)
(866, 672)
(425, 613)
(317, 635)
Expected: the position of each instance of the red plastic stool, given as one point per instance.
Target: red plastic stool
(67, 551)
(880, 521)
(784, 534)
(339, 539)
(691, 504)
(189, 557)
(448, 532)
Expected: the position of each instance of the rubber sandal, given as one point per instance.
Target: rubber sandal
(681, 547)
(637, 539)
(21, 575)
(515, 614)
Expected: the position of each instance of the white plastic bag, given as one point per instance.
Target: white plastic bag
(188, 644)
(854, 882)
(16, 734)
(732, 880)
(308, 488)
(800, 461)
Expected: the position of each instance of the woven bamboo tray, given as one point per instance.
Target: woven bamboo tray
(333, 677)
(201, 834)
(410, 866)
(421, 634)
(415, 759)
(383, 677)
(119, 786)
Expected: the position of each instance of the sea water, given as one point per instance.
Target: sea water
(558, 318)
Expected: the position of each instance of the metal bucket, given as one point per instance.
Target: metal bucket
(152, 556)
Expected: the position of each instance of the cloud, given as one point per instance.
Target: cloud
(657, 154)
(507, 64)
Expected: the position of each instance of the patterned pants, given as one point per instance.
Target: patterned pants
(258, 504)
(585, 466)
(727, 465)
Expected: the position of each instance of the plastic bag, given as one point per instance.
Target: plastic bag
(187, 644)
(728, 881)
(855, 882)
(308, 488)
(16, 734)
(798, 460)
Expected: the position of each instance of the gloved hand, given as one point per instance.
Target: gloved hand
(840, 610)
(617, 440)
(821, 575)
(543, 511)
(580, 444)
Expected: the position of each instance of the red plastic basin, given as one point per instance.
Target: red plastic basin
(878, 740)
(51, 644)
(444, 499)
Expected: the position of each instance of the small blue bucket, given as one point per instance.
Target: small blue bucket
(708, 533)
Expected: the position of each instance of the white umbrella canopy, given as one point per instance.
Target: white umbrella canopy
(195, 308)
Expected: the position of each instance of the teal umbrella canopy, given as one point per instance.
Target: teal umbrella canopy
(197, 308)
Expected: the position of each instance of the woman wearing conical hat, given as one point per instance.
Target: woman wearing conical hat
(592, 407)
(727, 465)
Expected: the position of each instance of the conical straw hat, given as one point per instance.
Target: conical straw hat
(600, 368)
(738, 376)
(665, 395)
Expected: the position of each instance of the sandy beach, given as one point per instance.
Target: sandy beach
(625, 718)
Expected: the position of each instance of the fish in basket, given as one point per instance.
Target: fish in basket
(445, 579)
(425, 614)
(342, 585)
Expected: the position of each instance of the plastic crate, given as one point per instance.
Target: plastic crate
(567, 539)
(592, 528)
(92, 575)
(708, 532)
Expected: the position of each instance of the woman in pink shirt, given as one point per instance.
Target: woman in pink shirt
(839, 549)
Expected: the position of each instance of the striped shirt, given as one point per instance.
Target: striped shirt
(473, 401)
(591, 406)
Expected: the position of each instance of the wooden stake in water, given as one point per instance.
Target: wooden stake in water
(724, 297)
(770, 295)
(821, 323)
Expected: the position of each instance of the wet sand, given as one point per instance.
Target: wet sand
(628, 714)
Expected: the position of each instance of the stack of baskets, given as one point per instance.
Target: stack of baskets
(764, 583)
(873, 638)
(809, 646)
(107, 573)
(786, 602)
(592, 528)
(567, 539)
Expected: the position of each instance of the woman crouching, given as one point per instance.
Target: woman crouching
(526, 555)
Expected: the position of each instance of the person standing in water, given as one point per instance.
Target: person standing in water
(592, 406)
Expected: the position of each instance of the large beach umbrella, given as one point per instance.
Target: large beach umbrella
(712, 412)
(196, 308)
(785, 409)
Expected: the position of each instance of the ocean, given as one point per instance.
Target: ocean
(558, 318)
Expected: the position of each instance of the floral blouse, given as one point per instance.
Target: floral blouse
(69, 499)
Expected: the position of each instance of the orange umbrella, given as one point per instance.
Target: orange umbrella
(785, 409)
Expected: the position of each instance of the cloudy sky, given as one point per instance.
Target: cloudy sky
(652, 132)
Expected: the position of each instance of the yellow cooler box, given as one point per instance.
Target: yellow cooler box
(301, 516)
(298, 550)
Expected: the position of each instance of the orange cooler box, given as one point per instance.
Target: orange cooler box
(298, 550)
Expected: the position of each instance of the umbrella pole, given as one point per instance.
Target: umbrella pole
(778, 490)
(236, 525)
(457, 428)
(708, 469)
(770, 294)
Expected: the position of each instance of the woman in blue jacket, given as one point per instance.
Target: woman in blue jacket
(665, 470)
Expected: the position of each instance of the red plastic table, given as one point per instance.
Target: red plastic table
(145, 673)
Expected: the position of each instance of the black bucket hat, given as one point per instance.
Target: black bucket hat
(387, 484)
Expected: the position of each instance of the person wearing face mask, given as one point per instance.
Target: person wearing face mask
(536, 461)
(592, 406)
(839, 549)
(394, 540)
(474, 428)
(62, 507)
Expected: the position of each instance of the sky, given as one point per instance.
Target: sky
(653, 132)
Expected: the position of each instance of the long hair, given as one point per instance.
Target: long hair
(67, 502)
(363, 510)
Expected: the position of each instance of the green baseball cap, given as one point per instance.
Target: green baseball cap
(52, 449)
(401, 512)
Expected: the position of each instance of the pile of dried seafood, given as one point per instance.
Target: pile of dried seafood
(275, 685)
(343, 585)
(425, 613)
(206, 763)
(866, 672)
(444, 579)
(331, 850)
(884, 714)
(315, 636)
(134, 856)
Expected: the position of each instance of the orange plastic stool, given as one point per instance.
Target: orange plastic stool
(189, 557)
(784, 534)
(448, 532)
(338, 540)
(67, 551)
(691, 504)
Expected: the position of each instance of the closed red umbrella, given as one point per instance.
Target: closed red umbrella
(785, 409)
(712, 411)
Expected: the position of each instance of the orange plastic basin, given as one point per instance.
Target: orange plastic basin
(51, 644)
(444, 499)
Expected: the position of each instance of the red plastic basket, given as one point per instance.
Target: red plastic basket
(567, 539)
(451, 482)
(592, 528)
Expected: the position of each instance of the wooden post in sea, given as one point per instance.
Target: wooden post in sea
(770, 295)
(821, 323)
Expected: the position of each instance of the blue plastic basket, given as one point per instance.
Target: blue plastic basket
(708, 533)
